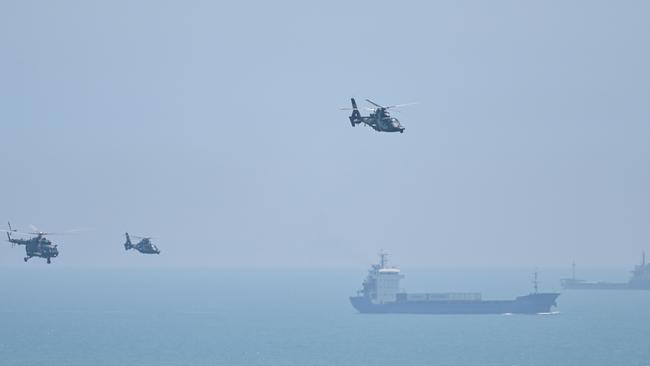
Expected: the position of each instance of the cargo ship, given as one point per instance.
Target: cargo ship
(381, 294)
(640, 280)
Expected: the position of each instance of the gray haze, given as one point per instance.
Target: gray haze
(214, 126)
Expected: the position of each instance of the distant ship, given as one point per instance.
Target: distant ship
(640, 280)
(381, 294)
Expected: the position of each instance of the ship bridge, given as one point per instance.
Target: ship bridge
(387, 281)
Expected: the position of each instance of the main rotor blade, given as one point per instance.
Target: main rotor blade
(36, 231)
(401, 105)
(15, 232)
(143, 237)
(66, 232)
(373, 103)
(74, 231)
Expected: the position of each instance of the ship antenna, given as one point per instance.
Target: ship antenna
(535, 282)
(643, 259)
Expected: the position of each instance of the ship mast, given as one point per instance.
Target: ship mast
(535, 282)
(573, 270)
(383, 259)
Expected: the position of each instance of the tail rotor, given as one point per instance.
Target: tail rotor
(9, 234)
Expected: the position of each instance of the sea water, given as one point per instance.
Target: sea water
(52, 316)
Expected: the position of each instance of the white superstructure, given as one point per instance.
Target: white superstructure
(382, 282)
(388, 284)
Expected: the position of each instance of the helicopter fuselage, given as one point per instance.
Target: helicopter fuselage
(381, 124)
(144, 246)
(379, 119)
(38, 246)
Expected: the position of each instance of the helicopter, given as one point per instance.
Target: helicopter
(144, 246)
(379, 118)
(38, 246)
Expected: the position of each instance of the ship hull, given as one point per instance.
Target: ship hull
(529, 304)
(604, 286)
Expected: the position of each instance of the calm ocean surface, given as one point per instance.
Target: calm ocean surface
(52, 316)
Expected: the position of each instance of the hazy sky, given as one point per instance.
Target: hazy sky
(214, 126)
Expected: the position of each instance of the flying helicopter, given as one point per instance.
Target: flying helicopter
(144, 246)
(379, 118)
(38, 246)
